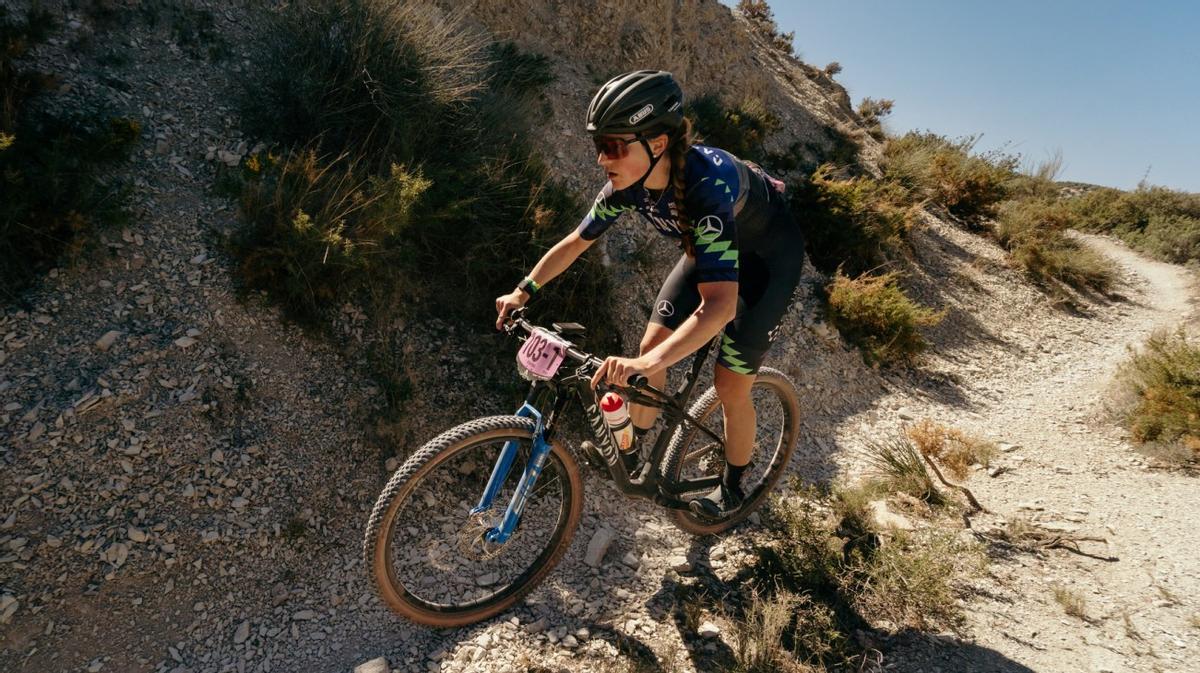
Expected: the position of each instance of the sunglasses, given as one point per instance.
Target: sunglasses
(613, 147)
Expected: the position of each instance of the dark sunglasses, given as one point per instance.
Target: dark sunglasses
(612, 147)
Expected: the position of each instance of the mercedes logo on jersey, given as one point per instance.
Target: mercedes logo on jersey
(665, 309)
(709, 228)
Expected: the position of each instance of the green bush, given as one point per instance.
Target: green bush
(416, 178)
(1033, 231)
(1162, 386)
(969, 186)
(741, 130)
(1160, 221)
(855, 224)
(874, 313)
(55, 167)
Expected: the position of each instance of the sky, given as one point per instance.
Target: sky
(1114, 85)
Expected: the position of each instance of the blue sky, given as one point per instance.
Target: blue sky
(1114, 85)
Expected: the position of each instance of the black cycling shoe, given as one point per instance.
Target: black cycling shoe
(719, 503)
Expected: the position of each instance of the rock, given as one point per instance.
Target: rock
(199, 259)
(8, 607)
(243, 632)
(709, 630)
(570, 642)
(185, 342)
(680, 564)
(630, 559)
(536, 626)
(1008, 448)
(304, 615)
(598, 546)
(885, 519)
(136, 534)
(379, 665)
(105, 342)
(392, 464)
(487, 580)
(904, 414)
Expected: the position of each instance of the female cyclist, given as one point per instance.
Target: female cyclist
(742, 258)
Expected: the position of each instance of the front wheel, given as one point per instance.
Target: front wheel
(431, 559)
(693, 454)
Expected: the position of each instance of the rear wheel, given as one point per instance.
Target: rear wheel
(692, 454)
(428, 554)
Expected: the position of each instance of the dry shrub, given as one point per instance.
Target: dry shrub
(872, 112)
(56, 167)
(1161, 401)
(740, 130)
(759, 13)
(1162, 222)
(1033, 231)
(855, 224)
(956, 450)
(909, 580)
(760, 638)
(969, 186)
(874, 313)
(851, 578)
(445, 202)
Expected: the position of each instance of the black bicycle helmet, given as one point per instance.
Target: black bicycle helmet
(636, 102)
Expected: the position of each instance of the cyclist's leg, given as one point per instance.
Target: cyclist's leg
(765, 288)
(677, 300)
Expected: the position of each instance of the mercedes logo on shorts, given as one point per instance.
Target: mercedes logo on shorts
(665, 308)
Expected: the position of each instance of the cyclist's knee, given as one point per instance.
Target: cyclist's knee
(732, 388)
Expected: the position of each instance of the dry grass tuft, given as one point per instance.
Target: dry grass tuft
(1071, 601)
(956, 450)
(901, 469)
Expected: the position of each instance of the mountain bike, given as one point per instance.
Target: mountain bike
(477, 517)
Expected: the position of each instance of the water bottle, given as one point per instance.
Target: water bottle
(616, 413)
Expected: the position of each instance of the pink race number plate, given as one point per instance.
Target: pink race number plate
(542, 354)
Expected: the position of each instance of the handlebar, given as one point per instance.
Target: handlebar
(515, 319)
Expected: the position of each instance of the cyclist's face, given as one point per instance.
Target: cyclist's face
(626, 170)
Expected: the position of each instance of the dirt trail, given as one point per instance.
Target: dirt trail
(1074, 471)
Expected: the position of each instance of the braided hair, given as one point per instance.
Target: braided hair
(681, 142)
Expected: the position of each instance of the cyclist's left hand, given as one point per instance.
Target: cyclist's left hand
(616, 371)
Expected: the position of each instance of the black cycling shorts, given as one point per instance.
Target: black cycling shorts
(767, 279)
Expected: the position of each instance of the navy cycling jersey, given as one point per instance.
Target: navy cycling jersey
(725, 199)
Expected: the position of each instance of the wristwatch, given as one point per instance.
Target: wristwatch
(529, 285)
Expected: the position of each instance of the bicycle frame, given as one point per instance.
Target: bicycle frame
(652, 485)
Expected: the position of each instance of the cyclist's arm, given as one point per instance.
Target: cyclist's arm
(559, 258)
(718, 305)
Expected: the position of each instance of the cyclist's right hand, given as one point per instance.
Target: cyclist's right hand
(513, 300)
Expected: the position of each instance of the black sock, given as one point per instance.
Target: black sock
(733, 475)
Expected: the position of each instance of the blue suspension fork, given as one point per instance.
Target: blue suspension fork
(508, 454)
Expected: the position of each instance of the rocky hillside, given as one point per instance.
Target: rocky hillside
(184, 476)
